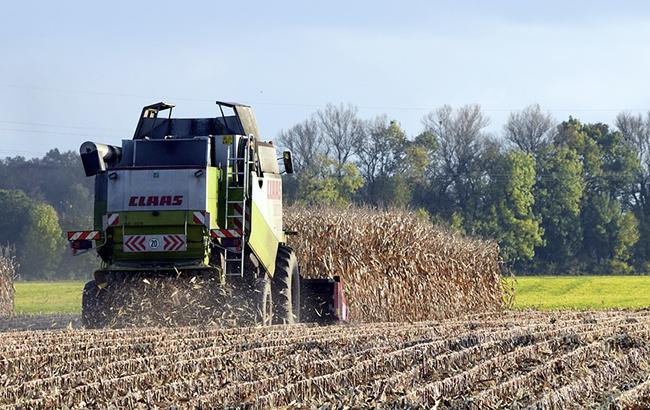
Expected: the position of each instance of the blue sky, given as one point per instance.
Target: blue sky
(72, 71)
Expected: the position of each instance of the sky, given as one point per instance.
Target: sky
(73, 71)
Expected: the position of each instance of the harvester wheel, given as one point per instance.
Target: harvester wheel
(263, 301)
(94, 312)
(286, 287)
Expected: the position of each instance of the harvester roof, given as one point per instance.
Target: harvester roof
(151, 126)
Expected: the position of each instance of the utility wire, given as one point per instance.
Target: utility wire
(77, 127)
(308, 105)
(48, 132)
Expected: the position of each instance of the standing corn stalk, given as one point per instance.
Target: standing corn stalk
(8, 271)
(395, 266)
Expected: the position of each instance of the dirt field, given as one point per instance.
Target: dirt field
(515, 359)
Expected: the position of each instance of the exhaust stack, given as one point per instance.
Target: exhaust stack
(95, 156)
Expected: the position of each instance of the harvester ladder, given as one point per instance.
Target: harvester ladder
(235, 220)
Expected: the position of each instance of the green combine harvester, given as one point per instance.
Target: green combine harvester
(188, 226)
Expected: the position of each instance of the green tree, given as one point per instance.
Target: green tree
(558, 193)
(42, 243)
(628, 235)
(417, 168)
(66, 188)
(611, 236)
(327, 183)
(14, 211)
(508, 214)
(636, 132)
(33, 228)
(379, 155)
(427, 144)
(57, 179)
(609, 167)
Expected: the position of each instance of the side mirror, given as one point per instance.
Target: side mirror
(288, 162)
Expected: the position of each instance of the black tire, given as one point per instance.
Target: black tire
(263, 301)
(286, 287)
(94, 308)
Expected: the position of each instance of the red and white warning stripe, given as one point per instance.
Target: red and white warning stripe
(201, 218)
(236, 220)
(84, 235)
(225, 233)
(111, 220)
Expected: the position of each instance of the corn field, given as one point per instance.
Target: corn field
(495, 360)
(7, 275)
(392, 261)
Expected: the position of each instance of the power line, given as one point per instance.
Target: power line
(309, 105)
(15, 152)
(79, 127)
(48, 132)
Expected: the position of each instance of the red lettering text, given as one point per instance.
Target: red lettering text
(152, 201)
(155, 200)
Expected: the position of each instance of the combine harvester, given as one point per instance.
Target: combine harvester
(196, 202)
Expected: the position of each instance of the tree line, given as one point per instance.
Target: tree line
(40, 200)
(559, 197)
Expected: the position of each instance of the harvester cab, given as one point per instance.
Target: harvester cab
(190, 198)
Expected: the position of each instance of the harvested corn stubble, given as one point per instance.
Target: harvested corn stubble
(501, 359)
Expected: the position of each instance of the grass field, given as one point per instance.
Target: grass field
(538, 292)
(582, 292)
(48, 297)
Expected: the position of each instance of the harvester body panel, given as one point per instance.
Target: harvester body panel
(266, 219)
(160, 187)
(166, 196)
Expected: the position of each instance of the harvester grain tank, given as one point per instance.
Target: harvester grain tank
(190, 198)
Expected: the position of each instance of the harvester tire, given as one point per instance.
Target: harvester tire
(286, 287)
(94, 314)
(263, 301)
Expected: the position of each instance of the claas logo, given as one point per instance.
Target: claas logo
(156, 200)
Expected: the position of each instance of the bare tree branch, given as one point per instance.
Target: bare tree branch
(305, 142)
(529, 129)
(342, 130)
(636, 132)
(460, 136)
